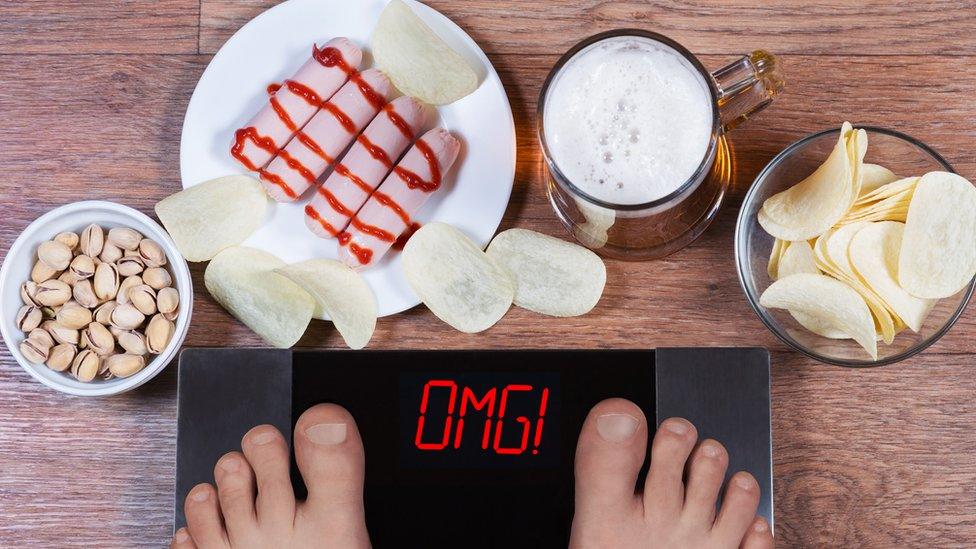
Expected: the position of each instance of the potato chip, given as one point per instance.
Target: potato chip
(243, 280)
(214, 215)
(341, 295)
(798, 258)
(875, 176)
(815, 204)
(874, 256)
(830, 301)
(457, 281)
(552, 277)
(772, 268)
(888, 190)
(418, 61)
(818, 326)
(938, 250)
(594, 233)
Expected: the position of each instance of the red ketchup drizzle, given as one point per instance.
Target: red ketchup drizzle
(413, 180)
(311, 212)
(273, 88)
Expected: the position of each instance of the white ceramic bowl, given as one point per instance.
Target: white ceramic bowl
(75, 217)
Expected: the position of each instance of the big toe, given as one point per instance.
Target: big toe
(329, 453)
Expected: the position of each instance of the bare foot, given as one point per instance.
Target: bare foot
(254, 504)
(671, 513)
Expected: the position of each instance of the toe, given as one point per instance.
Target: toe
(738, 509)
(664, 490)
(267, 453)
(203, 518)
(235, 490)
(759, 536)
(706, 473)
(330, 456)
(609, 455)
(182, 540)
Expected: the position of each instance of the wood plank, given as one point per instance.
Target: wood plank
(99, 26)
(832, 27)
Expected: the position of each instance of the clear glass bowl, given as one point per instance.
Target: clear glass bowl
(896, 151)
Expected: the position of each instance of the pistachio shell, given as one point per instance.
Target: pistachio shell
(29, 317)
(158, 334)
(152, 253)
(42, 336)
(125, 365)
(74, 316)
(110, 253)
(52, 293)
(61, 356)
(99, 339)
(103, 313)
(133, 342)
(91, 241)
(83, 267)
(64, 334)
(127, 317)
(42, 272)
(130, 282)
(124, 237)
(168, 300)
(157, 277)
(143, 298)
(54, 254)
(130, 265)
(69, 239)
(35, 352)
(68, 278)
(84, 293)
(27, 290)
(106, 281)
(85, 366)
(116, 332)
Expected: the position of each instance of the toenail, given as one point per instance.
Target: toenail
(182, 536)
(328, 434)
(745, 482)
(200, 495)
(710, 449)
(676, 426)
(230, 464)
(616, 427)
(264, 438)
(760, 526)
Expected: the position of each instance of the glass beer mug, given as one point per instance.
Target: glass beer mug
(658, 227)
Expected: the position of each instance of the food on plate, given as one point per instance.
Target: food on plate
(812, 206)
(873, 254)
(209, 217)
(418, 61)
(552, 277)
(81, 318)
(341, 294)
(797, 257)
(827, 300)
(364, 167)
(243, 280)
(319, 144)
(938, 250)
(874, 176)
(457, 281)
(293, 103)
(390, 210)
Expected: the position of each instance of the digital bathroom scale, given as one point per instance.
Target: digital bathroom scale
(469, 448)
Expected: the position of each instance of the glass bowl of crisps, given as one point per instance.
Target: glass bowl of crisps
(891, 158)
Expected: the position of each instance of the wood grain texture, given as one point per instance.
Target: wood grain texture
(875, 458)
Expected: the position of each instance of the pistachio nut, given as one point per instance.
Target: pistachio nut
(54, 254)
(73, 315)
(127, 284)
(42, 336)
(125, 365)
(143, 298)
(97, 338)
(27, 290)
(35, 352)
(158, 333)
(168, 302)
(69, 239)
(106, 281)
(60, 357)
(157, 277)
(42, 272)
(64, 334)
(124, 237)
(152, 253)
(29, 317)
(49, 312)
(127, 317)
(110, 253)
(130, 265)
(83, 267)
(103, 314)
(85, 365)
(133, 342)
(84, 294)
(91, 241)
(52, 293)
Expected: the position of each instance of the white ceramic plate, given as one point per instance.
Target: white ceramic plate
(269, 49)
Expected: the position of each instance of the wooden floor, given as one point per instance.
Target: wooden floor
(93, 92)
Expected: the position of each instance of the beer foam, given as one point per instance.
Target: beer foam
(628, 120)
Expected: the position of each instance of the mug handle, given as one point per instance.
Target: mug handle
(746, 87)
